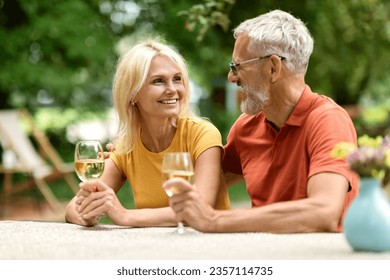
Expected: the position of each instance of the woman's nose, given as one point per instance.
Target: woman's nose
(170, 87)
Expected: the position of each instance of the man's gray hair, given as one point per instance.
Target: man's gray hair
(278, 32)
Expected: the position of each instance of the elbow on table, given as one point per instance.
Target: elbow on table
(329, 226)
(328, 221)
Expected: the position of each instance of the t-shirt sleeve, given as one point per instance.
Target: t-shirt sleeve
(203, 136)
(119, 162)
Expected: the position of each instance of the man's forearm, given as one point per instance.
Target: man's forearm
(282, 217)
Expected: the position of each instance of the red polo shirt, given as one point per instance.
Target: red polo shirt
(276, 165)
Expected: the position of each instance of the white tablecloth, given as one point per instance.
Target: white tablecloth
(31, 240)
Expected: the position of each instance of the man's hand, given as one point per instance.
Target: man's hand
(110, 148)
(190, 206)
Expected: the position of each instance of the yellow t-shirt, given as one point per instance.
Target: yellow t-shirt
(142, 168)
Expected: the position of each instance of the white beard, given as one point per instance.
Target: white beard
(254, 100)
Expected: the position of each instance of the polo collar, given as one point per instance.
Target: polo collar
(300, 111)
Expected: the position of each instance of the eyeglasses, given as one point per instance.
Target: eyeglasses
(233, 65)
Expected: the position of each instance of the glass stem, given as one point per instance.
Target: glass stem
(180, 228)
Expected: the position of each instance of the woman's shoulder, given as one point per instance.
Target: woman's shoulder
(197, 124)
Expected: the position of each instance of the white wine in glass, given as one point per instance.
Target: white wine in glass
(177, 165)
(89, 160)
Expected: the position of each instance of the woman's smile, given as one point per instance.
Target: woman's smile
(169, 101)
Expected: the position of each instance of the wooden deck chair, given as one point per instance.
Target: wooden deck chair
(23, 157)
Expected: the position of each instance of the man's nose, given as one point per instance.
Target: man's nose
(231, 77)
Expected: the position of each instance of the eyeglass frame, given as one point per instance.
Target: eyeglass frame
(233, 65)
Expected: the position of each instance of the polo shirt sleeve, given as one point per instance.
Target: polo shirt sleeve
(328, 128)
(231, 161)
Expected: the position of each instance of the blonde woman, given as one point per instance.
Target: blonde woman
(151, 98)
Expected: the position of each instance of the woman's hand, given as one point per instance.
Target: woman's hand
(72, 216)
(96, 200)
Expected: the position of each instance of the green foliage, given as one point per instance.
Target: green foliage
(54, 122)
(352, 42)
(57, 118)
(201, 56)
(63, 53)
(55, 50)
(352, 39)
(238, 194)
(201, 17)
(374, 119)
(223, 120)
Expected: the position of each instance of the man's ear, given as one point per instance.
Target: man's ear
(276, 67)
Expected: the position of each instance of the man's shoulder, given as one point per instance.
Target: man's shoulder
(326, 116)
(324, 105)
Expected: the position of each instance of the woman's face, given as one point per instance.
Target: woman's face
(163, 90)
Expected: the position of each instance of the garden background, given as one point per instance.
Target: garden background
(57, 59)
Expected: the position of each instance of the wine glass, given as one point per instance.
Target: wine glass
(177, 165)
(89, 159)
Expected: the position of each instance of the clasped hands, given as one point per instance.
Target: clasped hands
(95, 200)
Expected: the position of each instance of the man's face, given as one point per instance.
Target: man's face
(256, 95)
(250, 78)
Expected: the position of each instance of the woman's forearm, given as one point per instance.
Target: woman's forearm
(148, 217)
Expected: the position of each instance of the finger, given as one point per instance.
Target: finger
(183, 194)
(102, 155)
(178, 184)
(97, 213)
(91, 203)
(179, 217)
(87, 200)
(179, 202)
(82, 193)
(80, 198)
(176, 207)
(110, 147)
(98, 207)
(93, 186)
(181, 210)
(106, 155)
(78, 202)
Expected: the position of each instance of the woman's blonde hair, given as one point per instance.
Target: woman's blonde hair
(131, 72)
